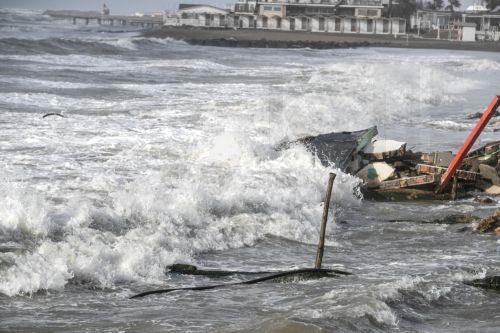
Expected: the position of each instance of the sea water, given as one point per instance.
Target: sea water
(166, 154)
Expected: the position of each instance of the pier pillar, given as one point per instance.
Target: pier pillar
(74, 20)
(111, 22)
(87, 21)
(99, 21)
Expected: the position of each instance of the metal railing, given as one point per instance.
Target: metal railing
(244, 8)
(364, 2)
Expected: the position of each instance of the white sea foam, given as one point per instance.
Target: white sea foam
(125, 43)
(450, 124)
(155, 221)
(190, 166)
(480, 65)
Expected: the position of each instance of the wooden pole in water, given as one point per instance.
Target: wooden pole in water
(326, 207)
(454, 188)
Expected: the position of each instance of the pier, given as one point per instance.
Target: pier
(82, 17)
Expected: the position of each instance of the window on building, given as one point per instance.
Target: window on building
(372, 12)
(385, 26)
(321, 23)
(369, 25)
(277, 8)
(268, 8)
(354, 25)
(337, 24)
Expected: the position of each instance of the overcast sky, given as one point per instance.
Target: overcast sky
(117, 6)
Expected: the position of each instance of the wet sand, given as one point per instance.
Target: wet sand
(300, 39)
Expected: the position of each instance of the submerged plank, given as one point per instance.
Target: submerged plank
(409, 182)
(287, 276)
(460, 174)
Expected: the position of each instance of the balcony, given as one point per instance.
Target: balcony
(364, 2)
(302, 2)
(244, 8)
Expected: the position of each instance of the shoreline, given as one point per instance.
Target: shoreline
(301, 39)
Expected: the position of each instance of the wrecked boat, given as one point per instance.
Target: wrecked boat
(390, 171)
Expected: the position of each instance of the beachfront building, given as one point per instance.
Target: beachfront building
(332, 16)
(475, 21)
(487, 22)
(424, 20)
(197, 15)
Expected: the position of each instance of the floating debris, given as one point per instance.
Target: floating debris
(384, 149)
(375, 173)
(186, 269)
(341, 149)
(490, 224)
(391, 172)
(489, 282)
(287, 276)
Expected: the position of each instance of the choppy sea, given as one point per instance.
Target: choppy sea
(166, 155)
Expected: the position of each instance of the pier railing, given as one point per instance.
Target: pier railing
(95, 17)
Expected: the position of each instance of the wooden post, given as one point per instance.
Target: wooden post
(454, 188)
(326, 206)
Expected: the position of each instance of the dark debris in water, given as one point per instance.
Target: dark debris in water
(489, 282)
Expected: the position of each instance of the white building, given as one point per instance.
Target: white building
(487, 23)
(197, 15)
(467, 31)
(331, 16)
(426, 20)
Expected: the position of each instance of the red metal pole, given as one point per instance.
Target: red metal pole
(466, 146)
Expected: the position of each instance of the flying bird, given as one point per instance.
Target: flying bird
(53, 114)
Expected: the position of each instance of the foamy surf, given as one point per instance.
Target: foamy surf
(167, 155)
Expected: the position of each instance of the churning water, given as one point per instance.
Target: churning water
(166, 155)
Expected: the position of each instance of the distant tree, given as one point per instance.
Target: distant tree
(452, 4)
(404, 9)
(435, 4)
(492, 4)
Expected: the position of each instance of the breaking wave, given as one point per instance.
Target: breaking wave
(156, 220)
(67, 46)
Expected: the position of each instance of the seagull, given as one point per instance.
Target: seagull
(53, 114)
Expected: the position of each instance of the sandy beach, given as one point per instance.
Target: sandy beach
(300, 39)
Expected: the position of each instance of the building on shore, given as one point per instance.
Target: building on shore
(197, 15)
(443, 24)
(427, 20)
(332, 16)
(487, 23)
